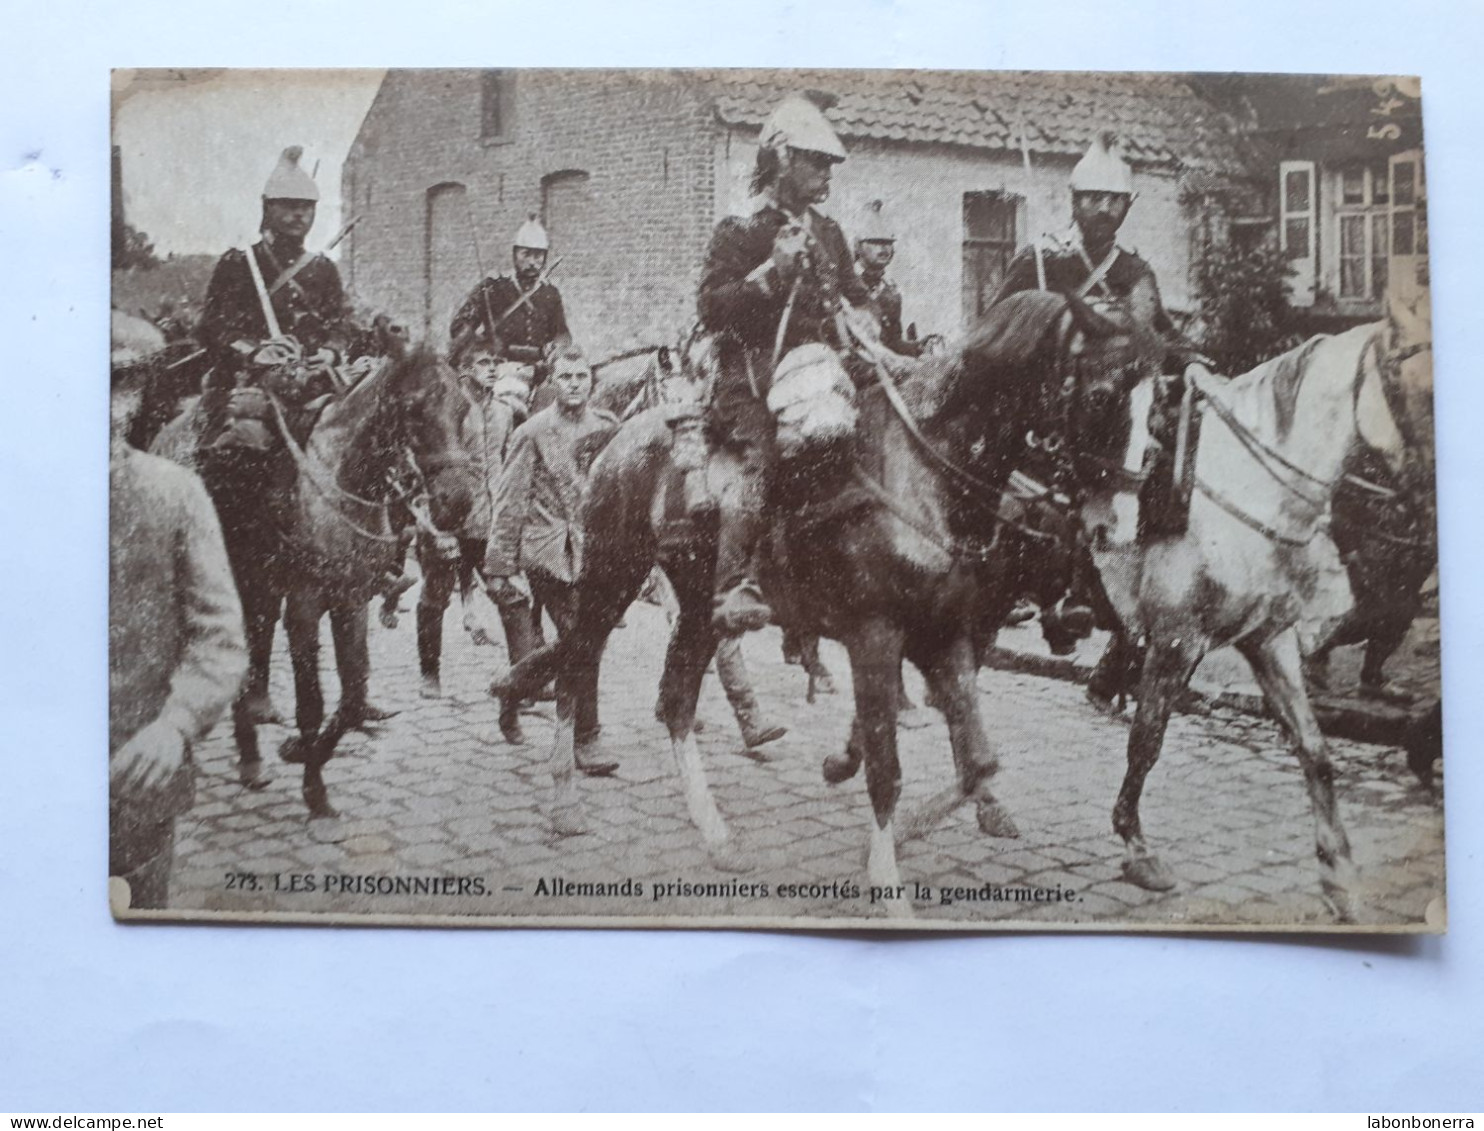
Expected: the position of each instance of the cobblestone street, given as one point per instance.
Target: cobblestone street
(436, 792)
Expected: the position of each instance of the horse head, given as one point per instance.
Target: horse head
(417, 411)
(1103, 356)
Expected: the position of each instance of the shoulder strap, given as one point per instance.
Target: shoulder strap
(286, 276)
(1098, 273)
(269, 316)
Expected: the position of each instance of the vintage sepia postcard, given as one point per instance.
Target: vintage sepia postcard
(789, 499)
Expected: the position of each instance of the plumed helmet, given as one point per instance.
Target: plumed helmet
(532, 235)
(1102, 170)
(797, 123)
(288, 181)
(875, 222)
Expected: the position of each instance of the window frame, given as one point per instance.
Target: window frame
(971, 247)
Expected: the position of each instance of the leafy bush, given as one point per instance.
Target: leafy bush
(1245, 317)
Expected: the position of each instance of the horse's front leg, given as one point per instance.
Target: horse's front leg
(692, 644)
(1279, 670)
(875, 648)
(301, 618)
(951, 676)
(1168, 666)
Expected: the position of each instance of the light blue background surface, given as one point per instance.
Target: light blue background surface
(94, 1017)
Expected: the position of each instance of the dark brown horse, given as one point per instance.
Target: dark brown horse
(391, 439)
(884, 547)
(333, 541)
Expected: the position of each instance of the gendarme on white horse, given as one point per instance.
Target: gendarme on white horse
(1256, 569)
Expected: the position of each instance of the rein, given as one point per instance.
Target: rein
(909, 422)
(1387, 366)
(323, 480)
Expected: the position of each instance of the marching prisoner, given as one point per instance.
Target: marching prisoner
(537, 521)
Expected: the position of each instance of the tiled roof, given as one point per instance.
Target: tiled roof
(1158, 119)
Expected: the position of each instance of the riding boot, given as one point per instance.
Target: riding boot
(732, 669)
(430, 649)
(739, 606)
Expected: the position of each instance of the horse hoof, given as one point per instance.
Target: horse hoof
(994, 821)
(914, 718)
(259, 711)
(294, 751)
(840, 768)
(388, 618)
(1105, 706)
(824, 684)
(727, 857)
(1148, 873)
(251, 775)
(432, 688)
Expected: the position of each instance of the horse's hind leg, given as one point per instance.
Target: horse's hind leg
(950, 674)
(692, 644)
(1279, 671)
(577, 658)
(1170, 663)
(875, 648)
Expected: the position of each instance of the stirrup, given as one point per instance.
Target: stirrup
(741, 609)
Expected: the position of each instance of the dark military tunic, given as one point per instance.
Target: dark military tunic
(743, 302)
(527, 335)
(885, 301)
(311, 307)
(1129, 282)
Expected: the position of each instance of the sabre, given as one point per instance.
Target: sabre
(288, 276)
(469, 332)
(489, 317)
(1025, 156)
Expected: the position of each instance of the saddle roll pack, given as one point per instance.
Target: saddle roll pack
(812, 399)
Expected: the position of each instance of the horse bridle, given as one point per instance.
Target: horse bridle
(1063, 443)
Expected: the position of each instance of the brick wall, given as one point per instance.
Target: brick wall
(632, 254)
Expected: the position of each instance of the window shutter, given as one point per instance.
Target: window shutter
(1407, 224)
(1298, 228)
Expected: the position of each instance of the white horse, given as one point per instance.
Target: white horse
(1256, 567)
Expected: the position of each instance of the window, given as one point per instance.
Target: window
(496, 103)
(566, 208)
(989, 245)
(1361, 208)
(1296, 222)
